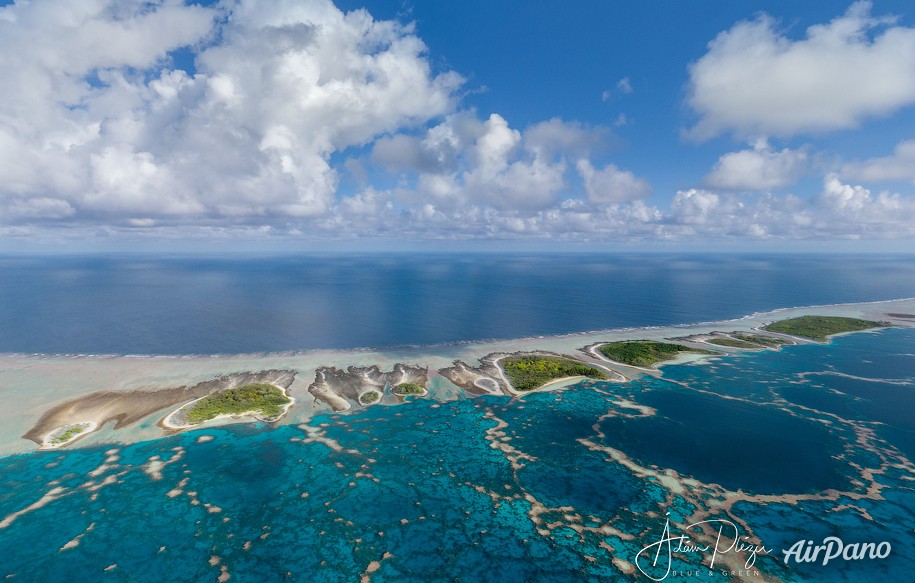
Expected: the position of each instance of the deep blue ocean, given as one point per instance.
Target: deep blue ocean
(141, 304)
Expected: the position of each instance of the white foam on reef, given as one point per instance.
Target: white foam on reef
(32, 384)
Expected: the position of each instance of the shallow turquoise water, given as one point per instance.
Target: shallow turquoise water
(420, 489)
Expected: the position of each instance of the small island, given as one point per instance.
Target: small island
(265, 401)
(369, 397)
(734, 343)
(67, 434)
(529, 372)
(644, 353)
(769, 341)
(406, 389)
(819, 328)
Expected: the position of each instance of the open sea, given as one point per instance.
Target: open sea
(142, 304)
(559, 486)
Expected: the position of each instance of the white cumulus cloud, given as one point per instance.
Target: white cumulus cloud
(899, 166)
(95, 114)
(754, 80)
(759, 168)
(611, 185)
(101, 134)
(464, 161)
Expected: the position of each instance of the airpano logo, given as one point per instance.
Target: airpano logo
(833, 548)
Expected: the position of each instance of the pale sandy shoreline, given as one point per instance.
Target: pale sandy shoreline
(30, 385)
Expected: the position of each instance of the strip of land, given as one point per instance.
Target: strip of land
(733, 342)
(55, 402)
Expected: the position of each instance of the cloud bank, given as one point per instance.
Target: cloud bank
(97, 122)
(106, 130)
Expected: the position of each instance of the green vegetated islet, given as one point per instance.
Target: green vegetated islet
(66, 435)
(645, 353)
(526, 373)
(408, 389)
(820, 327)
(760, 339)
(263, 398)
(733, 343)
(369, 397)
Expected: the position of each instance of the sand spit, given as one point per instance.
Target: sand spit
(759, 339)
(486, 379)
(340, 388)
(126, 407)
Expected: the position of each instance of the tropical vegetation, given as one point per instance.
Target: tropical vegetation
(408, 389)
(265, 399)
(526, 373)
(66, 434)
(821, 327)
(645, 353)
(733, 342)
(760, 339)
(369, 397)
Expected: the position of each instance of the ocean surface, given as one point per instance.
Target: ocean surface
(799, 444)
(141, 304)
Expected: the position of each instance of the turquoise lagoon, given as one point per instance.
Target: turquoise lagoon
(495, 489)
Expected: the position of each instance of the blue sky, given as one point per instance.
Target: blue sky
(310, 125)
